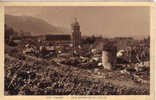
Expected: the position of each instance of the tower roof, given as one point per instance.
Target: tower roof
(75, 23)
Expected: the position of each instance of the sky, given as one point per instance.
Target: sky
(105, 21)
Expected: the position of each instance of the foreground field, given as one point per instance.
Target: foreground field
(34, 76)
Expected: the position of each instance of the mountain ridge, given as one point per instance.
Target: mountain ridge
(32, 24)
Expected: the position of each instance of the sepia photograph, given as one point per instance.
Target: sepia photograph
(77, 50)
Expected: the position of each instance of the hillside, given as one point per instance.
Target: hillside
(32, 24)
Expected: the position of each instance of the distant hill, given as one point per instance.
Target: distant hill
(34, 25)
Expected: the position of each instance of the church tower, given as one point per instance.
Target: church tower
(76, 35)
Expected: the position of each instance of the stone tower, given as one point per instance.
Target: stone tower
(76, 35)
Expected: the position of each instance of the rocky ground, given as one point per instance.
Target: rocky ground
(36, 76)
